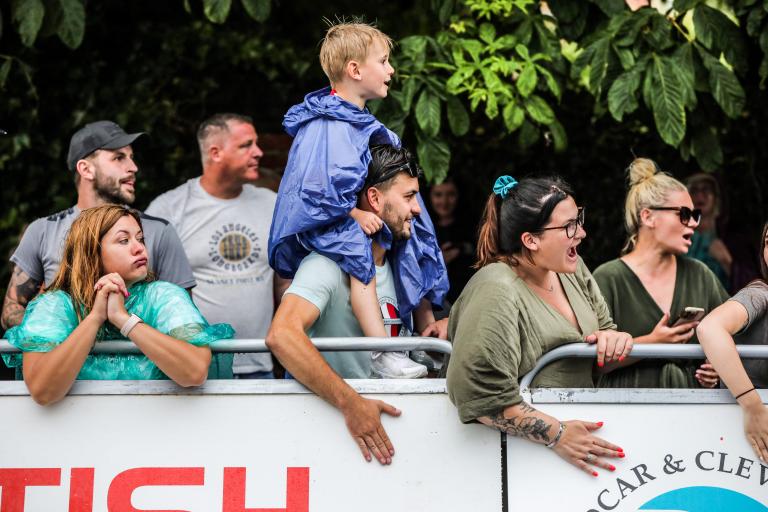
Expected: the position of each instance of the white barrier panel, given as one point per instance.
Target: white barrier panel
(238, 446)
(680, 456)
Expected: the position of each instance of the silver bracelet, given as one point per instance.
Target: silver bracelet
(557, 437)
(130, 324)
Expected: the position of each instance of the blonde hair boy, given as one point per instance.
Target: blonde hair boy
(345, 42)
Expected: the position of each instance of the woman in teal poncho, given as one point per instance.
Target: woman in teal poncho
(104, 291)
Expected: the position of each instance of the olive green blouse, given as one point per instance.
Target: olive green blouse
(634, 311)
(500, 328)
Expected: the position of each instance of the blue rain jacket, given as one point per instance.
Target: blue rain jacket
(327, 167)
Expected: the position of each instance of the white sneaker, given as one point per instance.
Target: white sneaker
(396, 365)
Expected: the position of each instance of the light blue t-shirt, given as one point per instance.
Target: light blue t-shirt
(320, 281)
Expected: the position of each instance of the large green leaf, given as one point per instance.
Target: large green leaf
(684, 58)
(4, 70)
(599, 64)
(558, 135)
(28, 17)
(725, 87)
(434, 157)
(487, 33)
(610, 7)
(445, 10)
(257, 9)
(217, 10)
(660, 34)
(415, 48)
(552, 84)
(410, 86)
(685, 5)
(628, 32)
(428, 112)
(539, 110)
(717, 32)
(458, 118)
(526, 81)
(72, 28)
(622, 96)
(513, 116)
(667, 101)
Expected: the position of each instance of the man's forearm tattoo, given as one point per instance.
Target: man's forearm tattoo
(526, 425)
(21, 290)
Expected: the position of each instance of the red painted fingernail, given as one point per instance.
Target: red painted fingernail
(621, 455)
(594, 473)
(599, 423)
(612, 467)
(621, 358)
(600, 364)
(620, 449)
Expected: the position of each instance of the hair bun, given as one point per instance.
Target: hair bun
(641, 169)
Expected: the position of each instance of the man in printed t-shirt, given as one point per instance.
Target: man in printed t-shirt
(223, 222)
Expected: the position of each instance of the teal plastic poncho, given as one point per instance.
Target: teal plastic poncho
(51, 317)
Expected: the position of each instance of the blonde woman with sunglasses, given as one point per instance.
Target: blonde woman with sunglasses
(649, 287)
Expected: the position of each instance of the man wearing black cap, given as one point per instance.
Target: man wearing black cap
(101, 157)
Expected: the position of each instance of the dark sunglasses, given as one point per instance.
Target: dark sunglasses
(572, 226)
(413, 170)
(686, 214)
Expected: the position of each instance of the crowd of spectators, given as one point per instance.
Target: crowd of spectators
(348, 248)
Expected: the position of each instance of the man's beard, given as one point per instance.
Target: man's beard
(396, 224)
(108, 189)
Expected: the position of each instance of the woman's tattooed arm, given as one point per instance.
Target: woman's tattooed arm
(522, 420)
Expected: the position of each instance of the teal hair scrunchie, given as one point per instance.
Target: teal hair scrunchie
(504, 184)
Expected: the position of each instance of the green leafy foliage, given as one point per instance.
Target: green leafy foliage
(28, 18)
(258, 9)
(481, 86)
(217, 10)
(72, 25)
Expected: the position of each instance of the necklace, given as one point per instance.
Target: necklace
(550, 289)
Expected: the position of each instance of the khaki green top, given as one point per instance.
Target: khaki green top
(634, 311)
(500, 328)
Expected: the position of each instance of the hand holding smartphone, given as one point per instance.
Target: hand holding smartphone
(689, 314)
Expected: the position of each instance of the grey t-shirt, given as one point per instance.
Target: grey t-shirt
(754, 298)
(320, 281)
(226, 242)
(39, 252)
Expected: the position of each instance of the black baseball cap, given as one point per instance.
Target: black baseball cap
(98, 135)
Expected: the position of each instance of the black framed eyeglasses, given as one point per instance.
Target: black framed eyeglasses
(572, 226)
(686, 214)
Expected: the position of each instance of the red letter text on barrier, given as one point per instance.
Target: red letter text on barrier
(14, 481)
(122, 487)
(297, 493)
(81, 490)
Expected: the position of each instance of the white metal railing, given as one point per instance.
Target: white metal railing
(258, 345)
(655, 351)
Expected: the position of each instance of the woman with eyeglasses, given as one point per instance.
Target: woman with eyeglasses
(743, 319)
(650, 285)
(531, 294)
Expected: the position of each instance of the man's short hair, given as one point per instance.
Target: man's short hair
(348, 41)
(217, 123)
(387, 163)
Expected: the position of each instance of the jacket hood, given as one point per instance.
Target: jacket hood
(323, 104)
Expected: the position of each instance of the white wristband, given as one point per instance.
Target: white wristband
(129, 325)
